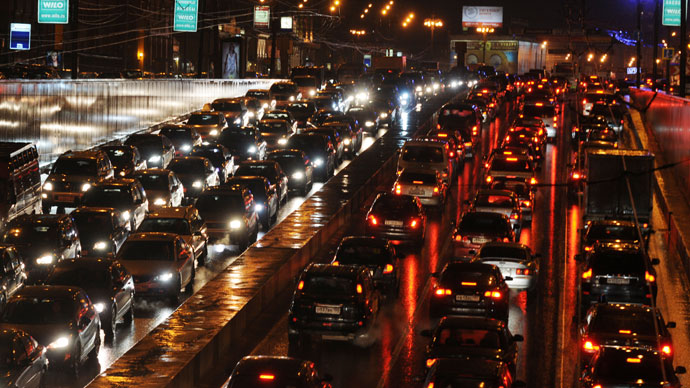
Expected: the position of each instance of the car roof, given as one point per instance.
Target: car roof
(615, 248)
(45, 219)
(290, 151)
(246, 178)
(152, 236)
(153, 171)
(259, 162)
(86, 262)
(224, 190)
(119, 182)
(51, 292)
(171, 212)
(333, 270)
(633, 308)
(471, 322)
(94, 209)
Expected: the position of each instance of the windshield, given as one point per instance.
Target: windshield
(329, 286)
(22, 234)
(288, 160)
(276, 115)
(257, 170)
(491, 200)
(72, 166)
(203, 119)
(483, 223)
(119, 156)
(213, 203)
(301, 109)
(282, 88)
(399, 205)
(611, 232)
(236, 141)
(214, 155)
(279, 128)
(518, 187)
(147, 250)
(539, 111)
(362, 255)
(308, 143)
(107, 197)
(86, 278)
(166, 225)
(257, 94)
(37, 311)
(187, 166)
(227, 106)
(455, 275)
(154, 182)
(422, 154)
(417, 178)
(503, 252)
(177, 135)
(468, 338)
(146, 145)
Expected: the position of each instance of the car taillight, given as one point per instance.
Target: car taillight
(527, 203)
(429, 363)
(436, 190)
(373, 220)
(474, 130)
(388, 268)
(414, 223)
(584, 101)
(336, 263)
(300, 286)
(587, 274)
(505, 239)
(266, 377)
(533, 181)
(666, 349)
(590, 347)
(576, 175)
(398, 189)
(489, 179)
(468, 144)
(451, 154)
(442, 291)
(522, 271)
(359, 288)
(514, 216)
(649, 277)
(493, 294)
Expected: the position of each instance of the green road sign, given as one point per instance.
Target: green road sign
(671, 13)
(53, 11)
(186, 15)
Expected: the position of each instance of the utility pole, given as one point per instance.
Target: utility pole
(656, 42)
(274, 36)
(639, 42)
(74, 35)
(683, 44)
(200, 26)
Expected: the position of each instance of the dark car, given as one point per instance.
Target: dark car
(72, 175)
(126, 195)
(626, 367)
(609, 231)
(184, 138)
(107, 283)
(234, 110)
(470, 289)
(302, 111)
(184, 221)
(351, 135)
(284, 91)
(335, 137)
(470, 373)
(207, 124)
(219, 156)
(42, 240)
(243, 145)
(158, 150)
(230, 215)
(270, 170)
(521, 187)
(60, 318)
(102, 230)
(376, 254)
(281, 114)
(196, 173)
(12, 273)
(275, 132)
(397, 217)
(367, 117)
(296, 166)
(125, 159)
(162, 264)
(266, 201)
(162, 187)
(461, 337)
(477, 228)
(25, 361)
(320, 151)
(334, 302)
(619, 273)
(272, 371)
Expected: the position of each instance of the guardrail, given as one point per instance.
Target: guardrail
(60, 115)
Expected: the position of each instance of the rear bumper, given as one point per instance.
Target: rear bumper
(395, 233)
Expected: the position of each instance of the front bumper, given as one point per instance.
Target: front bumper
(61, 199)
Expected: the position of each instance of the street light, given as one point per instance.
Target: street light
(484, 31)
(432, 24)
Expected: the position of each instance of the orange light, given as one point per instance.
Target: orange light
(469, 284)
(442, 135)
(597, 386)
(468, 144)
(633, 360)
(398, 189)
(649, 277)
(442, 291)
(590, 347)
(373, 220)
(587, 274)
(413, 224)
(600, 92)
(431, 384)
(493, 294)
(533, 181)
(625, 331)
(527, 203)
(485, 90)
(429, 363)
(436, 190)
(506, 239)
(584, 101)
(512, 159)
(451, 154)
(266, 377)
(458, 237)
(418, 182)
(514, 216)
(359, 288)
(300, 286)
(576, 175)
(489, 178)
(539, 104)
(666, 349)
(474, 130)
(388, 268)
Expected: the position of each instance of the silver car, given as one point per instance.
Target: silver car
(519, 267)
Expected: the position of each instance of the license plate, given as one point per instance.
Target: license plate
(480, 240)
(393, 223)
(467, 298)
(617, 281)
(330, 310)
(371, 272)
(65, 198)
(417, 191)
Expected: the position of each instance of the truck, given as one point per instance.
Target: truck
(606, 194)
(20, 181)
(398, 64)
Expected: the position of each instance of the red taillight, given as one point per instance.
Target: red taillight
(474, 130)
(458, 237)
(590, 347)
(442, 292)
(506, 239)
(436, 190)
(300, 286)
(493, 294)
(336, 263)
(527, 203)
(266, 377)
(666, 349)
(373, 220)
(576, 175)
(521, 271)
(489, 179)
(533, 181)
(388, 268)
(587, 274)
(414, 224)
(514, 216)
(359, 288)
(468, 144)
(649, 277)
(451, 154)
(584, 101)
(398, 189)
(429, 363)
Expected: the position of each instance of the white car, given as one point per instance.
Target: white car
(519, 267)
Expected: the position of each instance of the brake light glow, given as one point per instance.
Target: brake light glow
(429, 363)
(359, 288)
(469, 284)
(507, 152)
(633, 360)
(398, 189)
(451, 154)
(584, 101)
(373, 220)
(539, 104)
(300, 286)
(414, 224)
(666, 349)
(514, 216)
(418, 182)
(625, 331)
(468, 144)
(442, 291)
(522, 271)
(590, 347)
(527, 203)
(388, 268)
(587, 274)
(493, 294)
(485, 90)
(649, 277)
(600, 92)
(506, 239)
(442, 135)
(489, 179)
(512, 159)
(431, 385)
(266, 377)
(533, 181)
(336, 263)
(474, 130)
(576, 175)
(436, 190)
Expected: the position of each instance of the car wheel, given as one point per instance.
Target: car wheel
(189, 288)
(93, 355)
(109, 325)
(129, 316)
(76, 364)
(203, 258)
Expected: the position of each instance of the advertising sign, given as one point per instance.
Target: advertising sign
(186, 15)
(671, 13)
(262, 16)
(20, 36)
(286, 23)
(482, 16)
(53, 11)
(231, 59)
(632, 70)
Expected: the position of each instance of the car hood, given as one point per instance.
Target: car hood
(33, 251)
(45, 334)
(148, 267)
(64, 178)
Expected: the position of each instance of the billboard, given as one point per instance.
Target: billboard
(53, 11)
(671, 13)
(482, 16)
(231, 59)
(186, 15)
(20, 36)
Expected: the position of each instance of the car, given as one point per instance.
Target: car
(469, 289)
(324, 102)
(270, 170)
(466, 118)
(220, 158)
(274, 371)
(470, 372)
(503, 202)
(515, 166)
(335, 137)
(207, 124)
(125, 159)
(12, 273)
(397, 217)
(543, 107)
(320, 151)
(351, 135)
(235, 111)
(254, 109)
(25, 361)
(262, 95)
(162, 264)
(297, 167)
(604, 135)
(425, 184)
(515, 260)
(284, 91)
(354, 127)
(184, 138)
(42, 240)
(473, 337)
(426, 154)
(306, 85)
(230, 215)
(522, 188)
(609, 231)
(614, 324)
(622, 366)
(158, 150)
(367, 117)
(162, 187)
(243, 145)
(20, 180)
(196, 173)
(302, 111)
(321, 115)
(62, 319)
(334, 302)
(72, 175)
(477, 228)
(102, 230)
(126, 195)
(377, 254)
(456, 144)
(106, 282)
(184, 221)
(275, 132)
(613, 113)
(618, 272)
(282, 114)
(266, 201)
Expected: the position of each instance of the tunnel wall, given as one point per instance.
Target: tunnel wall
(60, 115)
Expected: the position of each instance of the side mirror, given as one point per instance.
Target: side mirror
(680, 370)
(426, 333)
(508, 278)
(518, 338)
(670, 325)
(655, 261)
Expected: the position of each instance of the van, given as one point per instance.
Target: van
(426, 154)
(20, 181)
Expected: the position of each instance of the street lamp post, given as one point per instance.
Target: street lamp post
(485, 31)
(433, 24)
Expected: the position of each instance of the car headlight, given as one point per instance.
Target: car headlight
(318, 162)
(460, 83)
(282, 141)
(250, 114)
(197, 184)
(292, 98)
(48, 186)
(45, 259)
(418, 88)
(85, 187)
(428, 89)
(347, 141)
(155, 159)
(166, 277)
(238, 121)
(436, 85)
(384, 115)
(265, 105)
(100, 246)
(214, 132)
(126, 215)
(235, 224)
(298, 175)
(252, 149)
(368, 123)
(99, 307)
(186, 148)
(404, 96)
(123, 173)
(312, 93)
(159, 202)
(258, 207)
(59, 343)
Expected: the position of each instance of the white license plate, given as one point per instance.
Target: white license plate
(467, 298)
(417, 191)
(330, 310)
(480, 240)
(393, 223)
(617, 281)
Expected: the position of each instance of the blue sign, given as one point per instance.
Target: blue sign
(20, 36)
(367, 60)
(186, 15)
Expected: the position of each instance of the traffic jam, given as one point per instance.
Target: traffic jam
(446, 280)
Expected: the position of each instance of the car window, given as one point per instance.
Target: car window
(468, 338)
(422, 154)
(7, 263)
